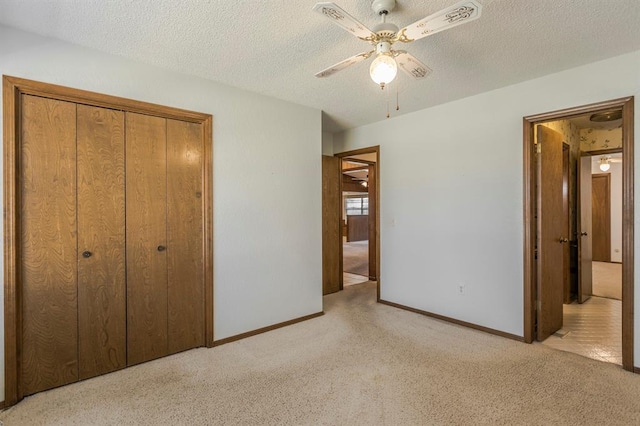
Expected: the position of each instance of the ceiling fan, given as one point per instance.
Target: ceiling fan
(384, 35)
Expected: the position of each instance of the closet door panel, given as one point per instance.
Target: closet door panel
(101, 241)
(185, 236)
(48, 246)
(146, 237)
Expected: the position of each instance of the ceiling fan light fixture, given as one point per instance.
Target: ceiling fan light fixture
(383, 68)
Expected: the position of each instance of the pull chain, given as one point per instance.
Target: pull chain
(388, 114)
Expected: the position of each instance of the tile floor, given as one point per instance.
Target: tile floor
(593, 329)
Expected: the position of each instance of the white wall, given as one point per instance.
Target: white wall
(327, 143)
(267, 217)
(616, 205)
(452, 199)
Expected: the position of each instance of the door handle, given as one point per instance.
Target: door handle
(86, 254)
(562, 240)
(161, 248)
(583, 234)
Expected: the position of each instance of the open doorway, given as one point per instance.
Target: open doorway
(350, 208)
(357, 267)
(579, 230)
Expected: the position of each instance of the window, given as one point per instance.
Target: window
(357, 206)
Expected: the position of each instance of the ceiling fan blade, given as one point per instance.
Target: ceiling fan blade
(458, 14)
(342, 65)
(336, 14)
(412, 66)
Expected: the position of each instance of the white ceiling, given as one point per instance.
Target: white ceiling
(275, 47)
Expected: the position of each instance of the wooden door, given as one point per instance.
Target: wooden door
(331, 225)
(601, 216)
(585, 257)
(551, 241)
(373, 275)
(101, 241)
(185, 271)
(47, 194)
(566, 269)
(146, 230)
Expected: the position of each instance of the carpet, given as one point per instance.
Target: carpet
(607, 280)
(362, 363)
(356, 257)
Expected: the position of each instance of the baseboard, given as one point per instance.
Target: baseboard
(455, 321)
(265, 329)
(636, 370)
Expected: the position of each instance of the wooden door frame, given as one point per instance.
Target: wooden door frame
(346, 154)
(13, 88)
(530, 197)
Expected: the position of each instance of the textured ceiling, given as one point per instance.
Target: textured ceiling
(275, 47)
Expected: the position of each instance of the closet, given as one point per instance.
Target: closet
(111, 242)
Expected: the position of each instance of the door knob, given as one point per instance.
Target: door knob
(583, 234)
(161, 248)
(563, 240)
(86, 254)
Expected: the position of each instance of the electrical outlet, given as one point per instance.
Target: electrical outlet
(461, 288)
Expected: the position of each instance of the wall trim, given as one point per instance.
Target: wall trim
(266, 329)
(454, 321)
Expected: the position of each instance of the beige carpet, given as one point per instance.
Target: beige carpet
(360, 364)
(356, 257)
(607, 280)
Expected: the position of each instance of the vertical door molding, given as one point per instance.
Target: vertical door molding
(13, 89)
(529, 198)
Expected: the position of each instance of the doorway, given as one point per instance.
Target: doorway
(357, 267)
(561, 281)
(350, 219)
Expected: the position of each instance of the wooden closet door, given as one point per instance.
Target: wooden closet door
(101, 241)
(48, 246)
(146, 190)
(185, 236)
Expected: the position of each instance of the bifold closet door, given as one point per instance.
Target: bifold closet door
(185, 236)
(146, 192)
(48, 246)
(101, 241)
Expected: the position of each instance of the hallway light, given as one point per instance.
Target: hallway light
(604, 164)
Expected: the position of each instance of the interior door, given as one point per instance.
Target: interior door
(146, 232)
(185, 269)
(331, 225)
(372, 223)
(601, 216)
(551, 240)
(48, 244)
(101, 241)
(585, 240)
(566, 269)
